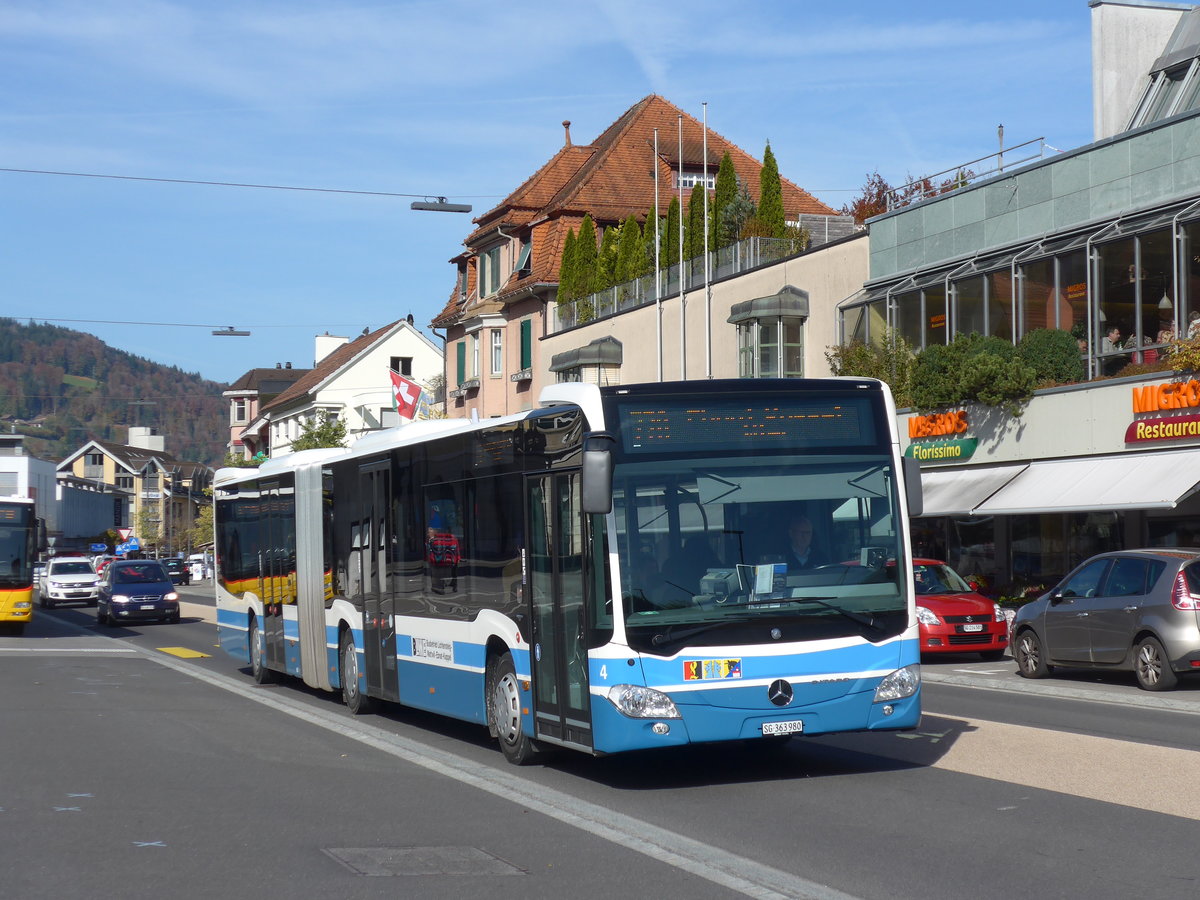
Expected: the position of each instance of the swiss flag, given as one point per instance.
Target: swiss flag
(406, 395)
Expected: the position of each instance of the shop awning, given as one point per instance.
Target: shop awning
(955, 492)
(1125, 481)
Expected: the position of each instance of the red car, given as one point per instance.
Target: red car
(954, 618)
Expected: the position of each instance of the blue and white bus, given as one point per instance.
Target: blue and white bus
(606, 572)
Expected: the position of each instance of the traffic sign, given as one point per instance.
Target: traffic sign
(98, 548)
(124, 533)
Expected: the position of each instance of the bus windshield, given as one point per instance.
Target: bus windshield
(739, 548)
(16, 546)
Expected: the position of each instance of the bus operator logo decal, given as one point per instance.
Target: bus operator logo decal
(711, 669)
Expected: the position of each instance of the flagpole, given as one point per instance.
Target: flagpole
(682, 300)
(657, 267)
(707, 286)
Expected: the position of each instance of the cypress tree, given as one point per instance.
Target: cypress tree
(629, 251)
(587, 258)
(770, 196)
(693, 232)
(651, 236)
(726, 191)
(607, 270)
(670, 239)
(566, 269)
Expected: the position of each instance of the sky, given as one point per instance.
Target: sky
(371, 105)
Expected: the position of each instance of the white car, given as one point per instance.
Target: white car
(68, 579)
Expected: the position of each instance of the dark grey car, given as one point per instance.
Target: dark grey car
(1132, 610)
(136, 590)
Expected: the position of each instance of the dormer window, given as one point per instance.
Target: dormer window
(489, 271)
(689, 180)
(1175, 76)
(524, 267)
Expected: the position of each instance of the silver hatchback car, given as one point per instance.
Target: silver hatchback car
(1133, 610)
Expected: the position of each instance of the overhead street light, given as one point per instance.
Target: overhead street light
(439, 204)
(229, 331)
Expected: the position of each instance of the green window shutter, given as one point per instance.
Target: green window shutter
(526, 343)
(462, 361)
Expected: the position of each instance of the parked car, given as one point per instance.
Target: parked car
(1130, 610)
(136, 590)
(953, 617)
(180, 571)
(68, 579)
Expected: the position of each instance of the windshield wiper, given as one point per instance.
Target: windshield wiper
(867, 621)
(668, 634)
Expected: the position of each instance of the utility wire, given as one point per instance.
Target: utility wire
(271, 187)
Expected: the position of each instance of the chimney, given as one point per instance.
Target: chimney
(287, 365)
(327, 343)
(278, 366)
(567, 129)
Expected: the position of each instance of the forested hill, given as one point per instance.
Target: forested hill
(63, 388)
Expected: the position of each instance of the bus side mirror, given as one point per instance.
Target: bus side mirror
(912, 486)
(596, 478)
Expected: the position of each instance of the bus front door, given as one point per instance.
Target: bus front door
(556, 538)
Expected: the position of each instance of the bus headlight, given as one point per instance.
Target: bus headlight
(642, 702)
(24, 604)
(899, 684)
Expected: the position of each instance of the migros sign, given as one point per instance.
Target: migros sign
(938, 425)
(1163, 398)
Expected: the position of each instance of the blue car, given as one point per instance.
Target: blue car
(136, 590)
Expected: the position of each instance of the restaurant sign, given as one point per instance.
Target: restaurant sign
(1181, 395)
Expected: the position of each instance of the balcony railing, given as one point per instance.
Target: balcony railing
(740, 257)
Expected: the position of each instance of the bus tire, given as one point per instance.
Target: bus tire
(356, 701)
(504, 712)
(258, 666)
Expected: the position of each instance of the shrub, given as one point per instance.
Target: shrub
(1053, 354)
(973, 368)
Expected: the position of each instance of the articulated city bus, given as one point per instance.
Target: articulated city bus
(607, 572)
(18, 548)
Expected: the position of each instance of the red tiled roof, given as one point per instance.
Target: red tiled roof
(612, 178)
(328, 366)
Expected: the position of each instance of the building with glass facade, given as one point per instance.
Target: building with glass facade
(1102, 241)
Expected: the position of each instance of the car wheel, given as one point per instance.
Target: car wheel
(174, 618)
(991, 655)
(258, 666)
(1031, 659)
(1153, 669)
(504, 712)
(356, 701)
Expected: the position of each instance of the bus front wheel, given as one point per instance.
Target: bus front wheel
(504, 712)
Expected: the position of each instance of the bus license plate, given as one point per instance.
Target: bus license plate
(793, 727)
(978, 626)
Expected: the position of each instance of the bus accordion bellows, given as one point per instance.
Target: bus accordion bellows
(607, 572)
(18, 549)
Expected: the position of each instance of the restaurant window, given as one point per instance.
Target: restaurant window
(908, 316)
(1038, 303)
(999, 304)
(1072, 280)
(1116, 299)
(1191, 282)
(935, 330)
(970, 315)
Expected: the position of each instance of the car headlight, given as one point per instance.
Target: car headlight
(119, 598)
(899, 684)
(1000, 617)
(171, 596)
(642, 702)
(926, 616)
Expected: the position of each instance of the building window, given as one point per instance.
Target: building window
(461, 360)
(691, 179)
(475, 355)
(1172, 91)
(497, 351)
(239, 410)
(462, 281)
(489, 271)
(125, 482)
(771, 348)
(401, 364)
(523, 266)
(93, 459)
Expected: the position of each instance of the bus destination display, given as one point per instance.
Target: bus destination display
(647, 428)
